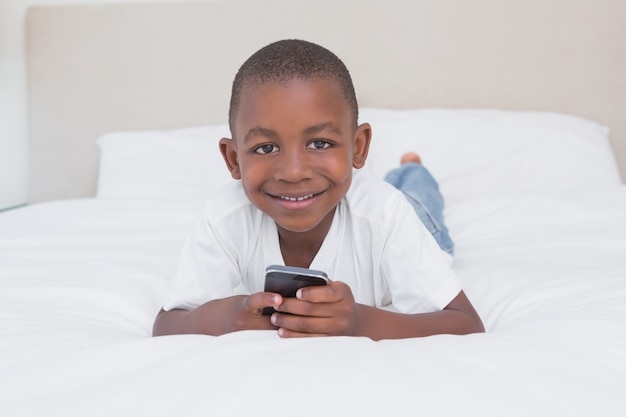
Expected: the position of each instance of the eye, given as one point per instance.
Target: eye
(319, 144)
(266, 149)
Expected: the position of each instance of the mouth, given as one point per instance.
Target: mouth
(305, 197)
(296, 201)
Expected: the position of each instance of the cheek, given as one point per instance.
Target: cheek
(340, 167)
(340, 174)
(252, 174)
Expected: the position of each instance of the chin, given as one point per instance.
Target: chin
(297, 228)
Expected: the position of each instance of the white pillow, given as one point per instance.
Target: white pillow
(481, 152)
(178, 165)
(470, 152)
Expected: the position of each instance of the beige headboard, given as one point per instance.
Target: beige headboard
(98, 68)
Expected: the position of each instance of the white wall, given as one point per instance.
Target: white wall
(13, 180)
(13, 133)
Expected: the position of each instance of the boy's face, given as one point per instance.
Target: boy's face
(294, 149)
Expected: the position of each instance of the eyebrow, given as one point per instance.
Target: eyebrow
(271, 134)
(330, 126)
(260, 131)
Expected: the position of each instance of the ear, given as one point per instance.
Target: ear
(362, 138)
(228, 149)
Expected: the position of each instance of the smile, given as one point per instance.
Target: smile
(306, 197)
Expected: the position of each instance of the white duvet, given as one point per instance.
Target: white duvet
(81, 282)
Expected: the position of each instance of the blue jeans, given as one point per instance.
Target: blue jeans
(422, 191)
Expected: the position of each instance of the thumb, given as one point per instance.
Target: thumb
(260, 300)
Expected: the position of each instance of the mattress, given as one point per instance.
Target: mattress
(83, 279)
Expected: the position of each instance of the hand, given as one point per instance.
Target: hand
(220, 316)
(244, 312)
(317, 311)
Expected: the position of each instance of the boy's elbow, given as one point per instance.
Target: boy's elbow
(168, 322)
(470, 321)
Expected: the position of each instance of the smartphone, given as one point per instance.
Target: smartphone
(286, 280)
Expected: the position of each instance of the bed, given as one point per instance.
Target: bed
(516, 108)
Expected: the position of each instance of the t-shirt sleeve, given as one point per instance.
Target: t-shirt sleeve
(206, 270)
(418, 272)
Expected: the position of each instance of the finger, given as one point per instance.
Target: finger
(300, 324)
(332, 292)
(317, 294)
(287, 334)
(258, 301)
(299, 307)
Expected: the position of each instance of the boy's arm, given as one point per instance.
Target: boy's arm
(331, 310)
(216, 317)
(458, 317)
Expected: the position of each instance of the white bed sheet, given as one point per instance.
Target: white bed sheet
(81, 282)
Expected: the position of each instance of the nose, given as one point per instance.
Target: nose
(293, 166)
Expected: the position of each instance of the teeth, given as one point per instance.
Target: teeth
(296, 198)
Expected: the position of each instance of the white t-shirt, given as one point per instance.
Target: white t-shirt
(376, 244)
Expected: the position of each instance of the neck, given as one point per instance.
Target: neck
(300, 248)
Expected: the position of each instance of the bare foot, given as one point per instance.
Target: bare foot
(410, 157)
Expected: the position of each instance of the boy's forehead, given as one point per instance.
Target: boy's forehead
(258, 92)
(258, 89)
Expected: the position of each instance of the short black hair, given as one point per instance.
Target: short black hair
(290, 59)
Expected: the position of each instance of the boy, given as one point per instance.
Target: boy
(295, 142)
